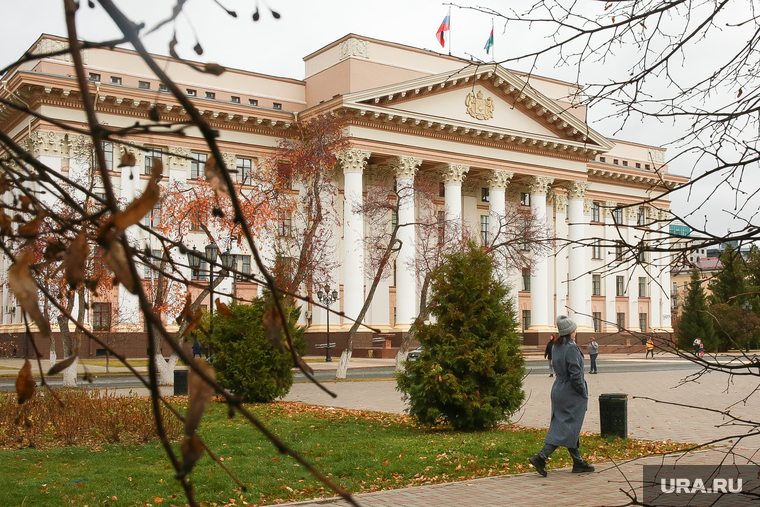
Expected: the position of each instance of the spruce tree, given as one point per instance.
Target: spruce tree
(695, 322)
(731, 280)
(471, 368)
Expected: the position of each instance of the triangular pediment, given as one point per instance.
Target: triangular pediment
(487, 101)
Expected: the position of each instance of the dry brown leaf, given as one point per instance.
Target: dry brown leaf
(128, 160)
(214, 69)
(22, 284)
(74, 264)
(273, 327)
(5, 222)
(192, 450)
(214, 176)
(62, 365)
(54, 251)
(137, 209)
(32, 227)
(187, 314)
(116, 259)
(5, 185)
(223, 309)
(27, 204)
(199, 394)
(25, 383)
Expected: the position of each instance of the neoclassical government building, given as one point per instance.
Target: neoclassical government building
(492, 137)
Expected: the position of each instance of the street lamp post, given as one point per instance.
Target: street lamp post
(228, 261)
(327, 298)
(747, 307)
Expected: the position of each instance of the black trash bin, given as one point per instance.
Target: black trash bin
(180, 382)
(613, 414)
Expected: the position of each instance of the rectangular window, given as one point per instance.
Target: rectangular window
(596, 248)
(617, 215)
(526, 320)
(145, 85)
(243, 265)
(615, 161)
(597, 322)
(595, 212)
(675, 302)
(638, 165)
(244, 171)
(441, 189)
(115, 80)
(525, 198)
(686, 286)
(625, 163)
(526, 279)
(596, 285)
(643, 287)
(151, 156)
(602, 159)
(191, 93)
(200, 274)
(524, 233)
(101, 316)
(153, 218)
(485, 194)
(276, 105)
(621, 321)
(94, 77)
(235, 100)
(162, 87)
(484, 219)
(284, 226)
(197, 165)
(153, 263)
(675, 288)
(643, 321)
(209, 95)
(253, 102)
(441, 225)
(196, 219)
(618, 250)
(646, 166)
(641, 216)
(620, 286)
(108, 155)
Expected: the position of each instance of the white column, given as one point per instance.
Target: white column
(609, 277)
(353, 162)
(453, 176)
(635, 271)
(406, 278)
(497, 202)
(664, 262)
(539, 275)
(561, 253)
(577, 264)
(129, 304)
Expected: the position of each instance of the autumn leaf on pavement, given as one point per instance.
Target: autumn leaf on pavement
(273, 327)
(214, 177)
(74, 263)
(199, 395)
(22, 284)
(25, 383)
(223, 309)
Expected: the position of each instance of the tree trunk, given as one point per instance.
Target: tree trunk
(69, 379)
(403, 350)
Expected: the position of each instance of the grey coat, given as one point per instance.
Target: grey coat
(569, 396)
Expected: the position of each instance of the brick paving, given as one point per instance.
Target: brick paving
(646, 420)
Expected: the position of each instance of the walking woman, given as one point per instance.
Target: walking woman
(548, 354)
(569, 400)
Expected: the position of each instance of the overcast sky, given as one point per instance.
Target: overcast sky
(277, 47)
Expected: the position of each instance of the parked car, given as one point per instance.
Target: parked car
(413, 355)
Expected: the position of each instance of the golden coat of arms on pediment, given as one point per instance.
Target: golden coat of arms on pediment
(478, 107)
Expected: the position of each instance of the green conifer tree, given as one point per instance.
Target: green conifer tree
(695, 322)
(731, 281)
(471, 368)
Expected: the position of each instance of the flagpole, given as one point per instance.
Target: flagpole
(449, 30)
(494, 42)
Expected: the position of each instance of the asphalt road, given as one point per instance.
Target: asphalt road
(615, 365)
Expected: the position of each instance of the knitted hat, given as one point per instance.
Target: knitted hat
(565, 325)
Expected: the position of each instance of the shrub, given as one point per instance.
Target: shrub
(245, 361)
(471, 368)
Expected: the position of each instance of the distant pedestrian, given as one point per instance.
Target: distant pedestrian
(569, 400)
(650, 348)
(548, 354)
(197, 349)
(701, 350)
(593, 351)
(697, 344)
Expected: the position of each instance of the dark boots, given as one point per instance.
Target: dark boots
(582, 467)
(539, 464)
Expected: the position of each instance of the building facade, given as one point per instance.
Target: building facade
(491, 137)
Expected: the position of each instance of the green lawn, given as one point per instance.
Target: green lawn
(360, 450)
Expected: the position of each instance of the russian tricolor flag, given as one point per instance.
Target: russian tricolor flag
(445, 27)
